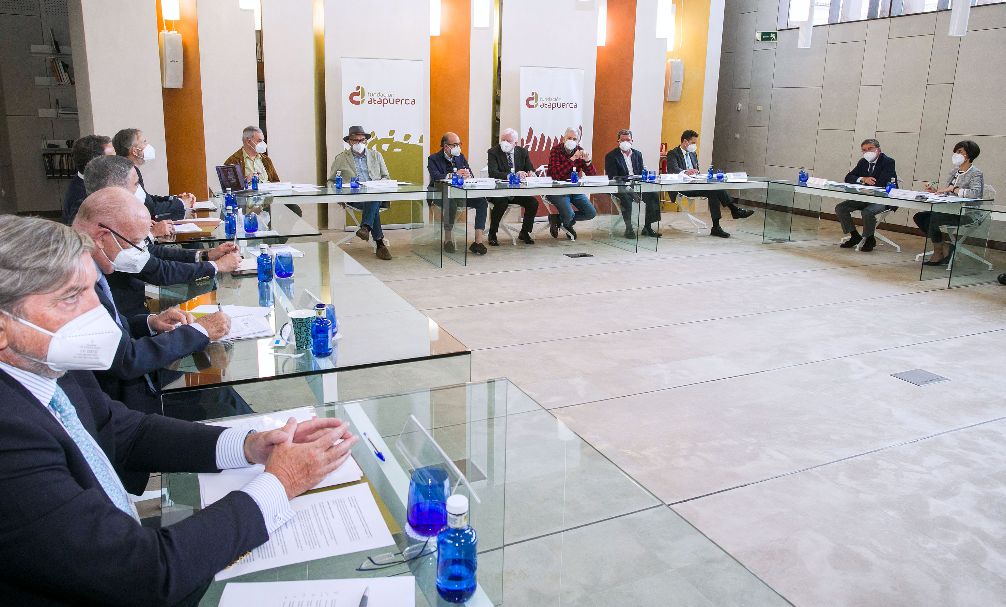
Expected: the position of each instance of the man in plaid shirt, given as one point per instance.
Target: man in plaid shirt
(566, 156)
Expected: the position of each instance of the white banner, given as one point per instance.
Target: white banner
(551, 101)
(385, 97)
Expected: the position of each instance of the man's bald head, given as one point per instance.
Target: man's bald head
(114, 208)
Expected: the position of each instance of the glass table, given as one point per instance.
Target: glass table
(558, 523)
(277, 224)
(384, 345)
(975, 259)
(751, 191)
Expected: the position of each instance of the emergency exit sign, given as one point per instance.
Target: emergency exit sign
(767, 36)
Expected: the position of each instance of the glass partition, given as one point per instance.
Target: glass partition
(978, 256)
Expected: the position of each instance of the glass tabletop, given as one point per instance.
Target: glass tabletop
(558, 523)
(875, 192)
(306, 193)
(976, 259)
(277, 223)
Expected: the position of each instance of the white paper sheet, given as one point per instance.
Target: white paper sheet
(398, 591)
(330, 523)
(204, 205)
(213, 487)
(187, 228)
(231, 310)
(248, 327)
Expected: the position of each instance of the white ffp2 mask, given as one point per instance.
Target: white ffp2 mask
(570, 145)
(625, 146)
(148, 153)
(870, 156)
(957, 159)
(86, 343)
(359, 148)
(261, 147)
(692, 148)
(506, 146)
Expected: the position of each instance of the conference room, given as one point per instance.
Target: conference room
(502, 302)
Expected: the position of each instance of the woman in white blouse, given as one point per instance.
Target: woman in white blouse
(965, 181)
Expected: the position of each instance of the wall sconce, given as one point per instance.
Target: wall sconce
(170, 10)
(667, 21)
(482, 14)
(435, 13)
(253, 5)
(960, 12)
(602, 22)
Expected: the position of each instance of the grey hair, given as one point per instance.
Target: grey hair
(872, 142)
(249, 131)
(105, 172)
(36, 256)
(570, 129)
(513, 132)
(623, 132)
(124, 140)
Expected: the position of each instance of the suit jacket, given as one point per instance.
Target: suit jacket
(499, 164)
(140, 355)
(73, 198)
(676, 160)
(883, 171)
(238, 159)
(169, 207)
(971, 183)
(614, 163)
(439, 167)
(129, 289)
(63, 542)
(345, 162)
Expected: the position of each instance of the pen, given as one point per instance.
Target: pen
(162, 216)
(377, 452)
(365, 597)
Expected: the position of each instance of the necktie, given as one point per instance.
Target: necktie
(99, 464)
(871, 168)
(688, 160)
(510, 158)
(103, 285)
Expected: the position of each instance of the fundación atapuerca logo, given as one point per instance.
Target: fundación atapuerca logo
(549, 103)
(360, 96)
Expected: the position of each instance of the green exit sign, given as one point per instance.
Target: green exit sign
(767, 36)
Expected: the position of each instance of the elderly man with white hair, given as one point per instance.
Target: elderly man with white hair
(567, 156)
(505, 158)
(252, 157)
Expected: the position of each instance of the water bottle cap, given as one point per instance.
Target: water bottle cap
(457, 504)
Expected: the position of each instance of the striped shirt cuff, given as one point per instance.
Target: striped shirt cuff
(231, 449)
(270, 496)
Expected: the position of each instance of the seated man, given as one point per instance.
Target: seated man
(132, 145)
(69, 455)
(166, 265)
(253, 160)
(504, 158)
(683, 159)
(621, 163)
(366, 164)
(876, 169)
(84, 150)
(147, 342)
(565, 157)
(443, 163)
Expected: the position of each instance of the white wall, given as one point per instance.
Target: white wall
(532, 32)
(480, 97)
(712, 80)
(228, 71)
(288, 48)
(122, 87)
(647, 109)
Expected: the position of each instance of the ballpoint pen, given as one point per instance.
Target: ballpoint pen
(365, 597)
(377, 452)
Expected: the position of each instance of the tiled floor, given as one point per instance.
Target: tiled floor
(748, 386)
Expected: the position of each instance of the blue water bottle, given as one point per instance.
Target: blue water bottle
(574, 176)
(710, 173)
(338, 180)
(321, 326)
(354, 182)
(264, 263)
(720, 176)
(893, 184)
(513, 179)
(255, 182)
(251, 223)
(230, 200)
(230, 223)
(803, 176)
(457, 554)
(265, 299)
(645, 175)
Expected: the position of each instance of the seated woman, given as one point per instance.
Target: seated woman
(966, 181)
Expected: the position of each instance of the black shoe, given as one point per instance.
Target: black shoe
(570, 233)
(941, 262)
(553, 225)
(648, 231)
(363, 233)
(739, 213)
(869, 244)
(630, 233)
(1002, 279)
(478, 248)
(854, 239)
(525, 237)
(493, 242)
(449, 246)
(718, 231)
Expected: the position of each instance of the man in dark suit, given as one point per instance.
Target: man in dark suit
(132, 144)
(147, 343)
(875, 169)
(683, 159)
(621, 163)
(71, 535)
(505, 158)
(84, 150)
(441, 164)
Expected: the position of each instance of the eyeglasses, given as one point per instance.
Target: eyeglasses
(390, 559)
(124, 239)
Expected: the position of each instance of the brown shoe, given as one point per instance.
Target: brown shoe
(382, 251)
(363, 233)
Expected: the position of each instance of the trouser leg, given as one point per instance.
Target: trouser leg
(844, 211)
(584, 209)
(530, 206)
(500, 205)
(869, 213)
(565, 208)
(481, 206)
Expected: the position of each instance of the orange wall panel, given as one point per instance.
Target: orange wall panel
(450, 76)
(613, 80)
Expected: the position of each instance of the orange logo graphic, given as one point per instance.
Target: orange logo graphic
(532, 101)
(358, 95)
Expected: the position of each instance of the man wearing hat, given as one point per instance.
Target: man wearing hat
(366, 164)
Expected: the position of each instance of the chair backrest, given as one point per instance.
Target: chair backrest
(989, 192)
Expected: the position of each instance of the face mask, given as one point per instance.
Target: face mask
(86, 343)
(506, 146)
(692, 147)
(148, 153)
(456, 151)
(359, 148)
(957, 159)
(870, 156)
(625, 146)
(130, 261)
(570, 145)
(139, 194)
(261, 147)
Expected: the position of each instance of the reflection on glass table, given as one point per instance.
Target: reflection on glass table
(975, 258)
(558, 523)
(277, 223)
(743, 190)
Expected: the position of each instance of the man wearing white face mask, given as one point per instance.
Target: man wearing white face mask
(439, 165)
(621, 163)
(504, 158)
(252, 157)
(132, 145)
(567, 156)
(366, 164)
(69, 455)
(874, 169)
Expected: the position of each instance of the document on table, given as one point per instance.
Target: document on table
(204, 205)
(285, 248)
(398, 591)
(187, 228)
(231, 310)
(326, 524)
(248, 327)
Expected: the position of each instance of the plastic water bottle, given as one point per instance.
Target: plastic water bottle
(710, 173)
(338, 180)
(230, 200)
(513, 180)
(265, 298)
(803, 176)
(330, 315)
(251, 223)
(457, 554)
(645, 175)
(321, 327)
(574, 176)
(653, 177)
(255, 182)
(264, 263)
(354, 182)
(720, 176)
(230, 223)
(892, 184)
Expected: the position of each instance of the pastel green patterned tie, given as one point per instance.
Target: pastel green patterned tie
(103, 471)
